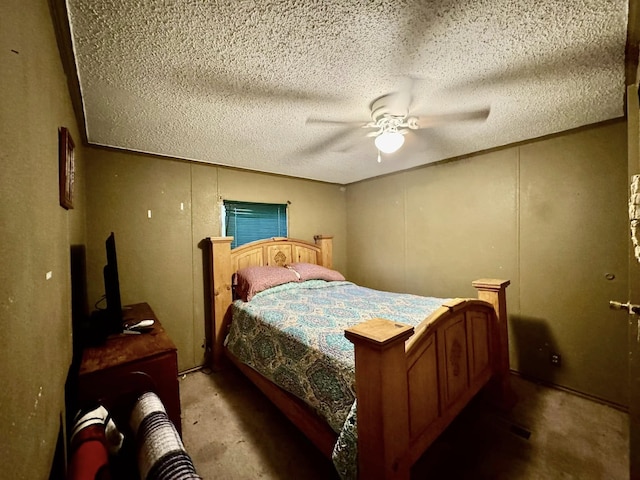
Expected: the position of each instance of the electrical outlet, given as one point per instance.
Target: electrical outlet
(556, 359)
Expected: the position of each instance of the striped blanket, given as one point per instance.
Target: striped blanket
(161, 454)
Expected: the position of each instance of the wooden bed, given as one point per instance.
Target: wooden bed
(410, 383)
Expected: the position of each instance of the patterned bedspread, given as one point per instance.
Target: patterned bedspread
(293, 334)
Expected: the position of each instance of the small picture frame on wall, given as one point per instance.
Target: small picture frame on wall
(66, 167)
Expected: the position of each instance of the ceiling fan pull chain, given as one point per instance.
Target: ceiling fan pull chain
(379, 157)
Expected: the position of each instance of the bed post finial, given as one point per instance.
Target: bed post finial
(494, 292)
(325, 242)
(221, 295)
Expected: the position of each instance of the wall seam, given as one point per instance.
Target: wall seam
(404, 221)
(193, 270)
(518, 227)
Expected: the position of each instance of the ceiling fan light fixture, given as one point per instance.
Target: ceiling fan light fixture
(389, 142)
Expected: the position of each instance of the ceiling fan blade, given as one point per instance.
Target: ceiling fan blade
(319, 121)
(428, 121)
(326, 144)
(271, 92)
(359, 138)
(206, 82)
(408, 85)
(395, 103)
(430, 142)
(583, 57)
(399, 102)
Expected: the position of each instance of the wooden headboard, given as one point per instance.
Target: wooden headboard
(272, 251)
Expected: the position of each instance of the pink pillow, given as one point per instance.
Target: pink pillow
(252, 280)
(310, 271)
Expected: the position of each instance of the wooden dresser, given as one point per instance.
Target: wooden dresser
(116, 372)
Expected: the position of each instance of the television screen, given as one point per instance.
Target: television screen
(112, 286)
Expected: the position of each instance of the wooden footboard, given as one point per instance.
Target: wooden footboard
(410, 383)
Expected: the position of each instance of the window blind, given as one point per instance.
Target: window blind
(249, 221)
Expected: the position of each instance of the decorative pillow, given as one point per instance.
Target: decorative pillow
(310, 271)
(252, 280)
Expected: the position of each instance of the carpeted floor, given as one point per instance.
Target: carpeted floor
(232, 432)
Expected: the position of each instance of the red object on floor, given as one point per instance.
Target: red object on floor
(89, 455)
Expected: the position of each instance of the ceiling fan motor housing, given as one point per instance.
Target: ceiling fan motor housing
(385, 106)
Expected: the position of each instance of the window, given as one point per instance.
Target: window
(248, 221)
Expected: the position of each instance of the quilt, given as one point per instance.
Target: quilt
(293, 334)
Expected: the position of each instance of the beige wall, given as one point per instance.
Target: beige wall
(549, 215)
(160, 259)
(37, 235)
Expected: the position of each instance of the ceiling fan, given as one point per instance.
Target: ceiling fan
(391, 120)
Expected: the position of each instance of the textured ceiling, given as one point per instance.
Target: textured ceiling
(234, 82)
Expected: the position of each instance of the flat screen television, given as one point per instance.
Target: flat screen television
(112, 287)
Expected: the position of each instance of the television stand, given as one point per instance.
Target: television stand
(118, 371)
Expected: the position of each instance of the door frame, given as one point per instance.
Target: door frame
(633, 152)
